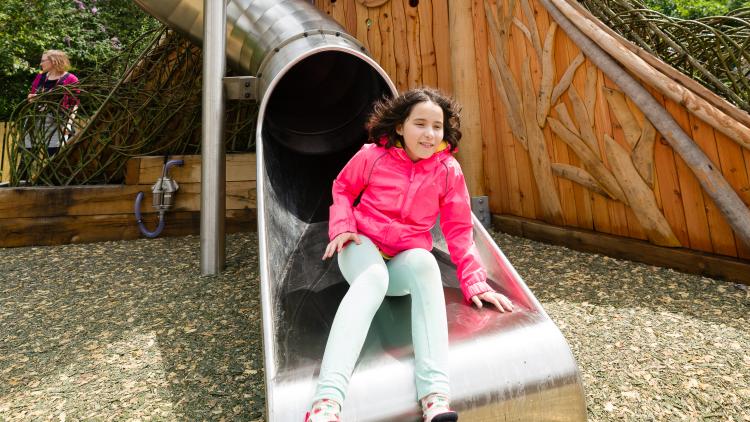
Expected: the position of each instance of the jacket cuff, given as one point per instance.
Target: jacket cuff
(340, 229)
(474, 289)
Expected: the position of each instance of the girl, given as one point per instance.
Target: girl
(404, 181)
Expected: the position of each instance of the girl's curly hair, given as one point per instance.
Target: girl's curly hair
(390, 112)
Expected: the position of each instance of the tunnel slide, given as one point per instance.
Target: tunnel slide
(315, 86)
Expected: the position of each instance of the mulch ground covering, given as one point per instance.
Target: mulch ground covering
(131, 331)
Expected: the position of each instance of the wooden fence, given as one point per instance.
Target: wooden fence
(573, 161)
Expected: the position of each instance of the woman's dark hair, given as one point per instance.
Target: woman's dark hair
(390, 112)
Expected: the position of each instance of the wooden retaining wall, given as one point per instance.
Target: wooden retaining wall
(78, 214)
(532, 168)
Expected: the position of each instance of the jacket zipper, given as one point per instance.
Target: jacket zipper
(408, 191)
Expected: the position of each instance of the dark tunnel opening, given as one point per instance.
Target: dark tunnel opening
(314, 122)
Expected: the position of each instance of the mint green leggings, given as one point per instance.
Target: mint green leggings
(371, 278)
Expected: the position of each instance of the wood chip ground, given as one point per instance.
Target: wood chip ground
(131, 331)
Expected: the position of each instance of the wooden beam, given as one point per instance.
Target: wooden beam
(35, 231)
(108, 199)
(145, 170)
(680, 259)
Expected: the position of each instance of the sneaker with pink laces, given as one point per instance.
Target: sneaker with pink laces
(436, 408)
(324, 410)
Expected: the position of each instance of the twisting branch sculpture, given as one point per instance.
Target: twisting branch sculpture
(146, 101)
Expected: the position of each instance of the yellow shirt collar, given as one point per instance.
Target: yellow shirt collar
(443, 145)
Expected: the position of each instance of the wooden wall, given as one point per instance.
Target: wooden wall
(532, 175)
(79, 214)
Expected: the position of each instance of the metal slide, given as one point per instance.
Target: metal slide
(315, 86)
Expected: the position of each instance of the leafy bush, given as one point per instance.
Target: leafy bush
(694, 9)
(90, 31)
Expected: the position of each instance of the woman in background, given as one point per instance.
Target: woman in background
(55, 65)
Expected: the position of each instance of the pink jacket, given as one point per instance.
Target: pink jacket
(67, 101)
(400, 204)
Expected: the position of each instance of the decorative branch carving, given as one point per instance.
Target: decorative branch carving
(548, 75)
(567, 78)
(639, 195)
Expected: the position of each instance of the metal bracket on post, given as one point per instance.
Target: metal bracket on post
(241, 87)
(480, 206)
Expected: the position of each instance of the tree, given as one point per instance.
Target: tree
(90, 31)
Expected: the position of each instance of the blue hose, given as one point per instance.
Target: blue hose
(139, 219)
(139, 199)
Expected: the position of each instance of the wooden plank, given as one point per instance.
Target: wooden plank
(324, 6)
(582, 197)
(441, 39)
(742, 249)
(496, 184)
(623, 248)
(692, 196)
(385, 25)
(428, 61)
(505, 126)
(549, 202)
(108, 199)
(337, 13)
(667, 186)
(400, 45)
(414, 74)
(734, 166)
(526, 183)
(363, 29)
(617, 214)
(350, 16)
(465, 88)
(35, 231)
(630, 216)
(373, 35)
(600, 207)
(566, 188)
(239, 167)
(721, 235)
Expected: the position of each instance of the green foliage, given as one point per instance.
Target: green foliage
(90, 31)
(694, 9)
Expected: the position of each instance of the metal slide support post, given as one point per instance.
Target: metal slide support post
(213, 167)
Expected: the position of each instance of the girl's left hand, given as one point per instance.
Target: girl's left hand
(501, 302)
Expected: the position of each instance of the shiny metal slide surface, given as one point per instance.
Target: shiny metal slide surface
(316, 87)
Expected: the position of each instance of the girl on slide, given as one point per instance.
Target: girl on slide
(404, 180)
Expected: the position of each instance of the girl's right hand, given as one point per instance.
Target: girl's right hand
(338, 243)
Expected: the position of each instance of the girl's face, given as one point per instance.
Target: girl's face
(422, 130)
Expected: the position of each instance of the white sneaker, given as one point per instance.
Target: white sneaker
(436, 408)
(324, 410)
